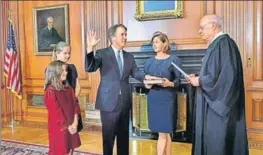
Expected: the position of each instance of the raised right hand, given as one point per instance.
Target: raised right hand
(92, 40)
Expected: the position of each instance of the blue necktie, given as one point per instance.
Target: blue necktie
(119, 61)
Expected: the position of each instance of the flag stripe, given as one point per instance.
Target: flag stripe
(11, 63)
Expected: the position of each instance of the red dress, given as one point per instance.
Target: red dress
(61, 106)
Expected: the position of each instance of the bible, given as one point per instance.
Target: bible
(154, 81)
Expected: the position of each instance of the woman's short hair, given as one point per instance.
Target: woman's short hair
(53, 75)
(58, 48)
(163, 37)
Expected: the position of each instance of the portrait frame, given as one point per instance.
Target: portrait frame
(60, 28)
(142, 15)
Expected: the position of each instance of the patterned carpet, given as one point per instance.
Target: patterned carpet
(9, 147)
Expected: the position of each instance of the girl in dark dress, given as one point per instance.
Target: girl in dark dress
(62, 52)
(161, 98)
(63, 110)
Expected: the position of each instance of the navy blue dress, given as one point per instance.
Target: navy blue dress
(72, 76)
(161, 101)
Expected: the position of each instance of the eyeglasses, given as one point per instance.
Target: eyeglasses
(202, 27)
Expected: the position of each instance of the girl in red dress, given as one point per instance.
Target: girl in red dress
(63, 110)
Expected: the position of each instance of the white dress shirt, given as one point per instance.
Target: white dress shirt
(116, 54)
(216, 36)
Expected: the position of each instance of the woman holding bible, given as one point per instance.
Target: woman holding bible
(161, 98)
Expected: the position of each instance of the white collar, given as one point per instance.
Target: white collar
(216, 36)
(115, 49)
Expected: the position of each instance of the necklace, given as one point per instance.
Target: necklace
(156, 64)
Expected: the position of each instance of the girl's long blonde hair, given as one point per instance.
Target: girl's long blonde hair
(58, 48)
(53, 75)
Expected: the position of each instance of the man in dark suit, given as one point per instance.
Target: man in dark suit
(113, 97)
(48, 36)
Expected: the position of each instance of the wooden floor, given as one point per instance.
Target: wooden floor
(92, 142)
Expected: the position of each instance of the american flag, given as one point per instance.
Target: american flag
(11, 63)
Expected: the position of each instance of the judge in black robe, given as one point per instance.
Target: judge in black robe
(219, 122)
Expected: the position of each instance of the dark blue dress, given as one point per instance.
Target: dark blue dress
(72, 76)
(161, 101)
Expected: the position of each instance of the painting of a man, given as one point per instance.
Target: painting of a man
(50, 27)
(48, 36)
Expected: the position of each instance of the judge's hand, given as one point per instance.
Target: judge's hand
(188, 78)
(92, 40)
(167, 83)
(194, 81)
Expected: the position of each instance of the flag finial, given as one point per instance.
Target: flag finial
(10, 15)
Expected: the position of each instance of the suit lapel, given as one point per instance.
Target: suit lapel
(113, 59)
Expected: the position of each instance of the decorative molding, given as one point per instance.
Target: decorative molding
(255, 145)
(9, 114)
(254, 89)
(176, 41)
(36, 114)
(120, 12)
(254, 130)
(254, 140)
(96, 19)
(257, 108)
(258, 52)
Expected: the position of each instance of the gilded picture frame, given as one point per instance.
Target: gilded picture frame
(154, 10)
(50, 25)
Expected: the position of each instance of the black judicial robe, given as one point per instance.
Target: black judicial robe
(219, 122)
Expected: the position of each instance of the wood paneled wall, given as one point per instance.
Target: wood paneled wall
(9, 100)
(33, 66)
(141, 31)
(241, 19)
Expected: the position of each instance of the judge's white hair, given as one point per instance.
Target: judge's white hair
(217, 20)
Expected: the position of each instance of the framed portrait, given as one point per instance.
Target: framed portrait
(153, 10)
(50, 27)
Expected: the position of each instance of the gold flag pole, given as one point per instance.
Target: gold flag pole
(10, 15)
(10, 97)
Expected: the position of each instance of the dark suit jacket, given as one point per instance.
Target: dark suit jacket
(47, 37)
(111, 81)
